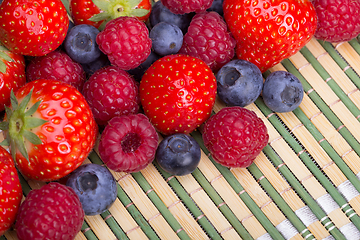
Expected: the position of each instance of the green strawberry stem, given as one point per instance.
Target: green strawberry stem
(4, 56)
(19, 126)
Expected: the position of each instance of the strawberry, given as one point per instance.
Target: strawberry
(82, 10)
(119, 8)
(50, 129)
(266, 31)
(11, 191)
(178, 93)
(41, 26)
(12, 74)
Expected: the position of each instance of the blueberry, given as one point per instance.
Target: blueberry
(159, 13)
(166, 38)
(239, 83)
(138, 72)
(95, 186)
(100, 62)
(282, 91)
(80, 43)
(178, 154)
(217, 6)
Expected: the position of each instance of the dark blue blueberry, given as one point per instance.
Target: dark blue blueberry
(217, 6)
(239, 83)
(100, 62)
(80, 43)
(282, 91)
(95, 186)
(178, 154)
(166, 38)
(138, 72)
(160, 13)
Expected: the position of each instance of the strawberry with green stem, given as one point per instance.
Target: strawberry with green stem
(50, 129)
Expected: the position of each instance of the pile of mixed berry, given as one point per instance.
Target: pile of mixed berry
(132, 79)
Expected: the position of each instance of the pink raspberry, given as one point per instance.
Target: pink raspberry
(52, 212)
(338, 20)
(128, 143)
(187, 6)
(126, 42)
(56, 65)
(207, 38)
(111, 92)
(235, 136)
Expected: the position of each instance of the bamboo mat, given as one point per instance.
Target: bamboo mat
(304, 184)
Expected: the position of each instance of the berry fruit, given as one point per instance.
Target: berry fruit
(187, 6)
(56, 65)
(266, 32)
(52, 212)
(26, 27)
(82, 10)
(128, 143)
(235, 136)
(178, 154)
(126, 42)
(239, 83)
(282, 91)
(338, 20)
(166, 38)
(139, 71)
(80, 44)
(111, 92)
(207, 38)
(95, 186)
(178, 93)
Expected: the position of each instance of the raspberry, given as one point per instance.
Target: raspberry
(126, 42)
(187, 6)
(208, 39)
(128, 143)
(235, 136)
(52, 212)
(111, 92)
(59, 66)
(338, 20)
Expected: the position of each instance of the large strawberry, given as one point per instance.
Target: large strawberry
(269, 31)
(178, 93)
(12, 74)
(50, 129)
(82, 10)
(33, 28)
(11, 191)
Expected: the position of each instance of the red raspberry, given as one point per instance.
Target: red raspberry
(338, 20)
(207, 38)
(187, 6)
(128, 143)
(111, 92)
(235, 136)
(52, 212)
(59, 66)
(126, 42)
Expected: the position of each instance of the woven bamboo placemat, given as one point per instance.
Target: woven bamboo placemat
(304, 184)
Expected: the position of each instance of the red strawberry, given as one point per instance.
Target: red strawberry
(235, 136)
(11, 191)
(53, 211)
(40, 26)
(208, 39)
(126, 42)
(12, 74)
(128, 143)
(178, 93)
(269, 31)
(59, 66)
(338, 20)
(104, 11)
(82, 10)
(50, 129)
